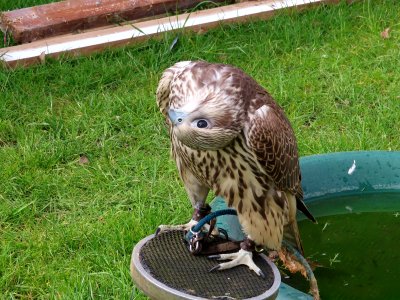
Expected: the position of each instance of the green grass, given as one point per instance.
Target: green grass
(67, 229)
(16, 4)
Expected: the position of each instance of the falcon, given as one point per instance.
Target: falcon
(228, 135)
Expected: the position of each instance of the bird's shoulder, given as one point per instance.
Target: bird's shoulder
(270, 136)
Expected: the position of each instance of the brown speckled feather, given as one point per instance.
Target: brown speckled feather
(247, 153)
(163, 92)
(273, 140)
(271, 137)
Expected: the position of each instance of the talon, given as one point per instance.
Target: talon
(183, 227)
(214, 268)
(157, 231)
(243, 257)
(216, 256)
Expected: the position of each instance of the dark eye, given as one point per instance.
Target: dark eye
(202, 124)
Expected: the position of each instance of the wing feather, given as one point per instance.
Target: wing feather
(271, 137)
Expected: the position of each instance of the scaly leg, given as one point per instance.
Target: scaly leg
(243, 257)
(198, 214)
(197, 193)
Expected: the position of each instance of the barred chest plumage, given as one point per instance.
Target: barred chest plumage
(235, 174)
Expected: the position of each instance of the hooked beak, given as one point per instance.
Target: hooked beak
(176, 116)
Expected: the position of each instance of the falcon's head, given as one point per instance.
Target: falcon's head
(202, 129)
(205, 109)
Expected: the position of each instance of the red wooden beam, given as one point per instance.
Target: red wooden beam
(98, 40)
(34, 23)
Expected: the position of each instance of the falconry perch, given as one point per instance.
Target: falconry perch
(228, 135)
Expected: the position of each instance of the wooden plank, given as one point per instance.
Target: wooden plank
(89, 42)
(42, 21)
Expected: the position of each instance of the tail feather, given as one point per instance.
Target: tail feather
(303, 208)
(291, 232)
(291, 235)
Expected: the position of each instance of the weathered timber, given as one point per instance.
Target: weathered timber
(89, 42)
(42, 21)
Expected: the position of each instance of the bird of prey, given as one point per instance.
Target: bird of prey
(228, 135)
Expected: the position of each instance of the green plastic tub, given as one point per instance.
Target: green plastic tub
(357, 183)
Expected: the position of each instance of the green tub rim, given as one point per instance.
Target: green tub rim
(332, 175)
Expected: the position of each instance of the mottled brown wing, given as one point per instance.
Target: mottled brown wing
(271, 137)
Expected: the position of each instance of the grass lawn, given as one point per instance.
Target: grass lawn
(85, 171)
